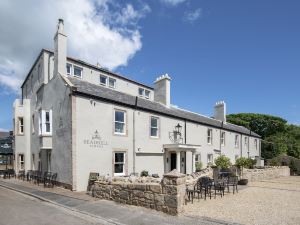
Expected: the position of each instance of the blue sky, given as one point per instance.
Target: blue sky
(246, 53)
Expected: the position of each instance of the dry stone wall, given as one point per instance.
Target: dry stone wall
(266, 173)
(167, 196)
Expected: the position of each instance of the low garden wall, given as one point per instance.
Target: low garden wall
(167, 196)
(266, 173)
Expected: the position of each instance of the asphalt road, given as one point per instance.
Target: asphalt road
(16, 208)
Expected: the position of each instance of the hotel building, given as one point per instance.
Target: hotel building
(75, 118)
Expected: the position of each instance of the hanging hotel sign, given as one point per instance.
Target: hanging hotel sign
(96, 141)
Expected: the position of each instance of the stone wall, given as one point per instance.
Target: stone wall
(266, 173)
(167, 196)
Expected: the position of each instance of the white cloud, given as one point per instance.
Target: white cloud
(191, 16)
(172, 2)
(3, 130)
(98, 31)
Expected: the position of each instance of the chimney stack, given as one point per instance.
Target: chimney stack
(162, 93)
(220, 111)
(60, 49)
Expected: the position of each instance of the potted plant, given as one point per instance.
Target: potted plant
(144, 173)
(242, 163)
(223, 164)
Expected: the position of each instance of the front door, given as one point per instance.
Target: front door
(173, 161)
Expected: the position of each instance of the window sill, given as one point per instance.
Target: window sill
(120, 134)
(45, 135)
(154, 137)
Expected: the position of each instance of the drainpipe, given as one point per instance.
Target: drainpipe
(249, 144)
(184, 131)
(241, 143)
(133, 135)
(221, 137)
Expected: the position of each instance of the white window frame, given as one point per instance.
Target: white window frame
(208, 158)
(106, 79)
(77, 67)
(223, 138)
(141, 90)
(147, 96)
(255, 144)
(153, 127)
(122, 122)
(21, 162)
(20, 125)
(209, 136)
(71, 68)
(124, 163)
(43, 123)
(197, 157)
(47, 122)
(236, 140)
(114, 80)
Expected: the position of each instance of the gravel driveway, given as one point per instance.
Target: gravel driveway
(275, 201)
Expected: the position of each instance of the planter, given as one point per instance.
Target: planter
(243, 182)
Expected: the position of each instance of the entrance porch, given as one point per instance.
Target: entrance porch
(180, 157)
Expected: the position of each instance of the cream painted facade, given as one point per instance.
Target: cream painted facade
(74, 124)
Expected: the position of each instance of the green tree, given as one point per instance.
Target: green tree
(279, 138)
(264, 125)
(223, 162)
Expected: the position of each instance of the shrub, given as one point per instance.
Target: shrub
(198, 166)
(251, 163)
(144, 173)
(274, 162)
(242, 162)
(292, 166)
(223, 162)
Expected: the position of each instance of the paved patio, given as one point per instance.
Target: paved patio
(275, 201)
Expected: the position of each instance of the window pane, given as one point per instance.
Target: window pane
(112, 82)
(119, 127)
(47, 117)
(119, 168)
(69, 67)
(47, 127)
(103, 80)
(154, 132)
(147, 94)
(153, 122)
(77, 71)
(119, 116)
(141, 92)
(119, 157)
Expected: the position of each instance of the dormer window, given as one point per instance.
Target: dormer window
(144, 93)
(103, 80)
(141, 92)
(69, 69)
(112, 82)
(77, 72)
(147, 94)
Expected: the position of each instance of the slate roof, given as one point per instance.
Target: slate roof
(106, 94)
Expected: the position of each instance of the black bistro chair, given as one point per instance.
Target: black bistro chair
(233, 182)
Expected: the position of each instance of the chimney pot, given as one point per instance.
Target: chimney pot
(162, 88)
(220, 111)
